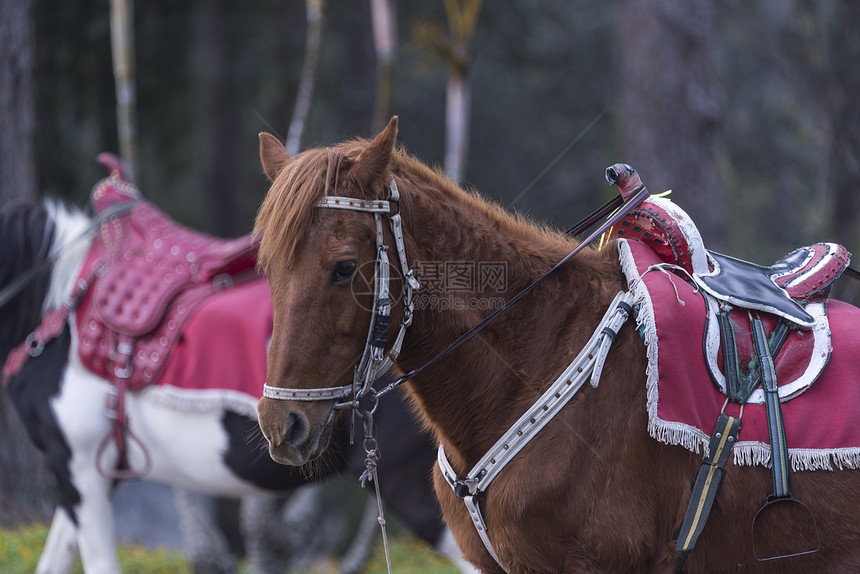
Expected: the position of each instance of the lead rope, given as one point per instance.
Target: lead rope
(370, 475)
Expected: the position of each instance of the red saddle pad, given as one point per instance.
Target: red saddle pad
(821, 425)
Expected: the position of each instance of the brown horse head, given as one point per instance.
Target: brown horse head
(314, 259)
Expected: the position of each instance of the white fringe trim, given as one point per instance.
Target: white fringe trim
(201, 400)
(747, 453)
(751, 453)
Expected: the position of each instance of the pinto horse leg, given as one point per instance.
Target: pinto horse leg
(79, 410)
(95, 533)
(262, 523)
(205, 545)
(61, 548)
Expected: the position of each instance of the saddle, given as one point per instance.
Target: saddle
(794, 290)
(147, 274)
(766, 339)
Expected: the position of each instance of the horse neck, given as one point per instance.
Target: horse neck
(70, 247)
(489, 381)
(31, 233)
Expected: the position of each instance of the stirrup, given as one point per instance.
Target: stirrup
(773, 501)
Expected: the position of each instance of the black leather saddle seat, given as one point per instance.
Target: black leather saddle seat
(784, 288)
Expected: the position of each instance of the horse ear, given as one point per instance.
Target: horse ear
(372, 163)
(273, 155)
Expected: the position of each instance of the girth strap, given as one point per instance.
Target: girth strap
(740, 386)
(775, 426)
(708, 480)
(726, 432)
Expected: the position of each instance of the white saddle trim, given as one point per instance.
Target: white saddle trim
(688, 229)
(822, 347)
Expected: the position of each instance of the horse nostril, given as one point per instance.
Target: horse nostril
(297, 429)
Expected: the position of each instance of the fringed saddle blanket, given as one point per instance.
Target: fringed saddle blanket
(220, 360)
(822, 423)
(170, 311)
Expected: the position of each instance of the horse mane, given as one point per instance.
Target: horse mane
(287, 212)
(512, 222)
(31, 233)
(69, 247)
(288, 208)
(26, 234)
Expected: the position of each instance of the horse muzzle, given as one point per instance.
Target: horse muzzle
(296, 432)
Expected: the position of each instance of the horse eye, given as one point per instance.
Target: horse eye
(343, 270)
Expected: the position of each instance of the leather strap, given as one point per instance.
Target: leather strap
(51, 326)
(328, 393)
(708, 480)
(585, 367)
(775, 426)
(370, 206)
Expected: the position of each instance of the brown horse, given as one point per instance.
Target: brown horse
(593, 492)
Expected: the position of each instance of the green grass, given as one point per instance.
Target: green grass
(411, 556)
(20, 550)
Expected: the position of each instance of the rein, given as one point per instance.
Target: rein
(634, 201)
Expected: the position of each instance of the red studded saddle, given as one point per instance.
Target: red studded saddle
(147, 274)
(794, 290)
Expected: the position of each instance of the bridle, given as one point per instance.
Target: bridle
(374, 362)
(586, 366)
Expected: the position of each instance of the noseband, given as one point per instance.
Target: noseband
(374, 363)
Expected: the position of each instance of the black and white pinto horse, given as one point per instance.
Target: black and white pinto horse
(215, 450)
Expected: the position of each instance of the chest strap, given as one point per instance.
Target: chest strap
(587, 366)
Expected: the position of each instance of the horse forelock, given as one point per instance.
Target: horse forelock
(288, 210)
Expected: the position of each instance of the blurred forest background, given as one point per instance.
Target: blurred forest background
(746, 109)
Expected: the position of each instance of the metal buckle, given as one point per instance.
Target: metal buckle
(111, 403)
(222, 282)
(35, 347)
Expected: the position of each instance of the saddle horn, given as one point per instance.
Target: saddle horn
(626, 178)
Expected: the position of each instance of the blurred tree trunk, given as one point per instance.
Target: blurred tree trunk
(220, 87)
(462, 18)
(25, 483)
(384, 21)
(122, 50)
(307, 82)
(17, 100)
(842, 84)
(842, 45)
(671, 101)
